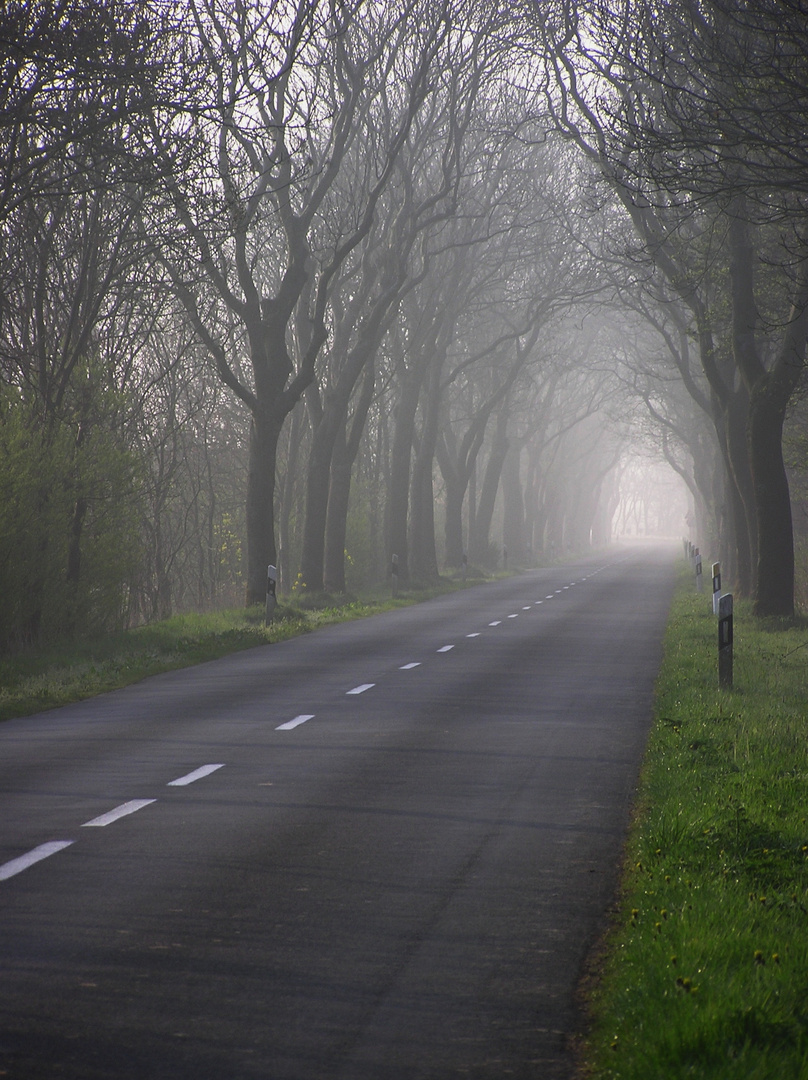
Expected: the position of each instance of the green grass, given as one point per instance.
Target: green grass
(44, 679)
(704, 972)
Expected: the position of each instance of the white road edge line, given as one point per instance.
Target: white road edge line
(119, 812)
(361, 689)
(16, 866)
(298, 720)
(408, 667)
(197, 774)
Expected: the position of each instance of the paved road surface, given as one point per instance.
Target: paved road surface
(378, 852)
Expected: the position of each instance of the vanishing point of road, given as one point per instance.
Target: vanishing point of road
(381, 851)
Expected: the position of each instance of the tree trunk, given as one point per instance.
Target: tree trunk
(554, 513)
(584, 513)
(400, 459)
(531, 502)
(480, 539)
(346, 448)
(708, 488)
(455, 494)
(261, 552)
(471, 503)
(74, 563)
(380, 482)
(423, 554)
(457, 465)
(336, 528)
(318, 478)
(287, 498)
(740, 492)
(769, 393)
(775, 569)
(513, 509)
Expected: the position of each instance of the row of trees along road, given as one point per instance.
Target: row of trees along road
(315, 284)
(694, 115)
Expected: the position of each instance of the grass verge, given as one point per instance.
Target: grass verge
(44, 679)
(704, 972)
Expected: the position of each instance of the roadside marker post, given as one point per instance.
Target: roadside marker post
(699, 576)
(394, 574)
(716, 586)
(725, 635)
(272, 577)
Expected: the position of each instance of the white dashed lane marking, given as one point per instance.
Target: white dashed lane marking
(43, 851)
(16, 866)
(298, 720)
(197, 774)
(120, 811)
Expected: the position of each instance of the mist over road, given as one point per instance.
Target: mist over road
(377, 852)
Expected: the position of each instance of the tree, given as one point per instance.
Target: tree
(692, 112)
(192, 440)
(394, 257)
(256, 229)
(73, 322)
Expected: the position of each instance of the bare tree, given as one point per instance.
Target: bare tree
(421, 196)
(692, 112)
(256, 228)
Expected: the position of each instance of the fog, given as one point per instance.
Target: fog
(465, 285)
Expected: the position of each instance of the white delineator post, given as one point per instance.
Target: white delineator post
(272, 577)
(716, 586)
(699, 581)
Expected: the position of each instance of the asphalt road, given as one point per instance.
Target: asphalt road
(377, 852)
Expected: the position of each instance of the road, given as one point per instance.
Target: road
(377, 852)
